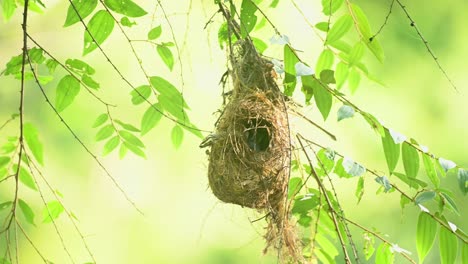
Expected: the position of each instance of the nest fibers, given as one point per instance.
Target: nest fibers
(249, 161)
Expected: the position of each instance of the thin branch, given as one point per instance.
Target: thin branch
(31, 242)
(13, 117)
(313, 123)
(426, 43)
(385, 21)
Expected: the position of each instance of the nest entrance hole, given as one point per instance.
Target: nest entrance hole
(257, 134)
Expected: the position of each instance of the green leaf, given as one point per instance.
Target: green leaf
(424, 197)
(327, 76)
(168, 90)
(356, 53)
(155, 33)
(335, 5)
(104, 132)
(308, 87)
(384, 255)
(391, 151)
(448, 246)
(8, 9)
(140, 94)
(410, 181)
(4, 261)
(290, 60)
(34, 144)
(131, 139)
(323, 99)
(36, 55)
(339, 28)
(430, 170)
(172, 107)
(51, 65)
(79, 66)
(448, 200)
(369, 245)
(101, 119)
(151, 118)
(125, 7)
(260, 46)
(122, 151)
(345, 111)
(84, 8)
(325, 61)
(125, 21)
(5, 205)
(464, 254)
(100, 27)
(248, 19)
(359, 189)
(377, 49)
(326, 245)
(341, 74)
(26, 178)
(52, 211)
(67, 89)
(425, 235)
(410, 160)
(294, 186)
(166, 55)
(305, 203)
(462, 176)
(110, 145)
(27, 211)
(136, 150)
(4, 161)
(127, 126)
(354, 78)
(177, 136)
(90, 82)
(322, 26)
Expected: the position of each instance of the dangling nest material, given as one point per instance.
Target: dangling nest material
(249, 161)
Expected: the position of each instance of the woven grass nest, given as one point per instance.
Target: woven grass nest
(249, 160)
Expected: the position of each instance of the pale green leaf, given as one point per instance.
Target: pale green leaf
(151, 118)
(384, 255)
(335, 5)
(448, 246)
(136, 150)
(79, 66)
(430, 170)
(100, 27)
(391, 151)
(52, 211)
(410, 160)
(323, 99)
(425, 235)
(131, 139)
(110, 145)
(290, 60)
(339, 28)
(26, 178)
(27, 211)
(8, 9)
(166, 55)
(359, 189)
(125, 7)
(104, 132)
(67, 89)
(84, 8)
(125, 21)
(4, 160)
(90, 82)
(31, 135)
(341, 74)
(322, 26)
(140, 94)
(354, 78)
(356, 53)
(168, 90)
(325, 61)
(259, 44)
(294, 186)
(127, 126)
(101, 119)
(177, 136)
(122, 151)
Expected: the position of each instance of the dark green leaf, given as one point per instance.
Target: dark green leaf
(131, 139)
(155, 33)
(384, 255)
(424, 197)
(110, 145)
(327, 76)
(166, 55)
(27, 211)
(430, 170)
(177, 136)
(13, 66)
(391, 151)
(448, 246)
(26, 178)
(410, 181)
(323, 98)
(51, 65)
(248, 19)
(425, 235)
(410, 160)
(79, 66)
(339, 28)
(104, 132)
(52, 211)
(448, 200)
(67, 89)
(8, 8)
(127, 126)
(100, 27)
(168, 90)
(345, 111)
(335, 5)
(359, 189)
(84, 8)
(151, 118)
(32, 139)
(463, 180)
(308, 87)
(125, 7)
(304, 203)
(101, 119)
(125, 21)
(325, 61)
(290, 60)
(140, 94)
(136, 150)
(90, 82)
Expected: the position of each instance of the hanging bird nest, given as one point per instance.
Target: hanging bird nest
(249, 160)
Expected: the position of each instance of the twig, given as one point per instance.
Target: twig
(31, 242)
(385, 21)
(13, 117)
(314, 124)
(426, 43)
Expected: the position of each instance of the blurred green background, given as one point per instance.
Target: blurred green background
(184, 222)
